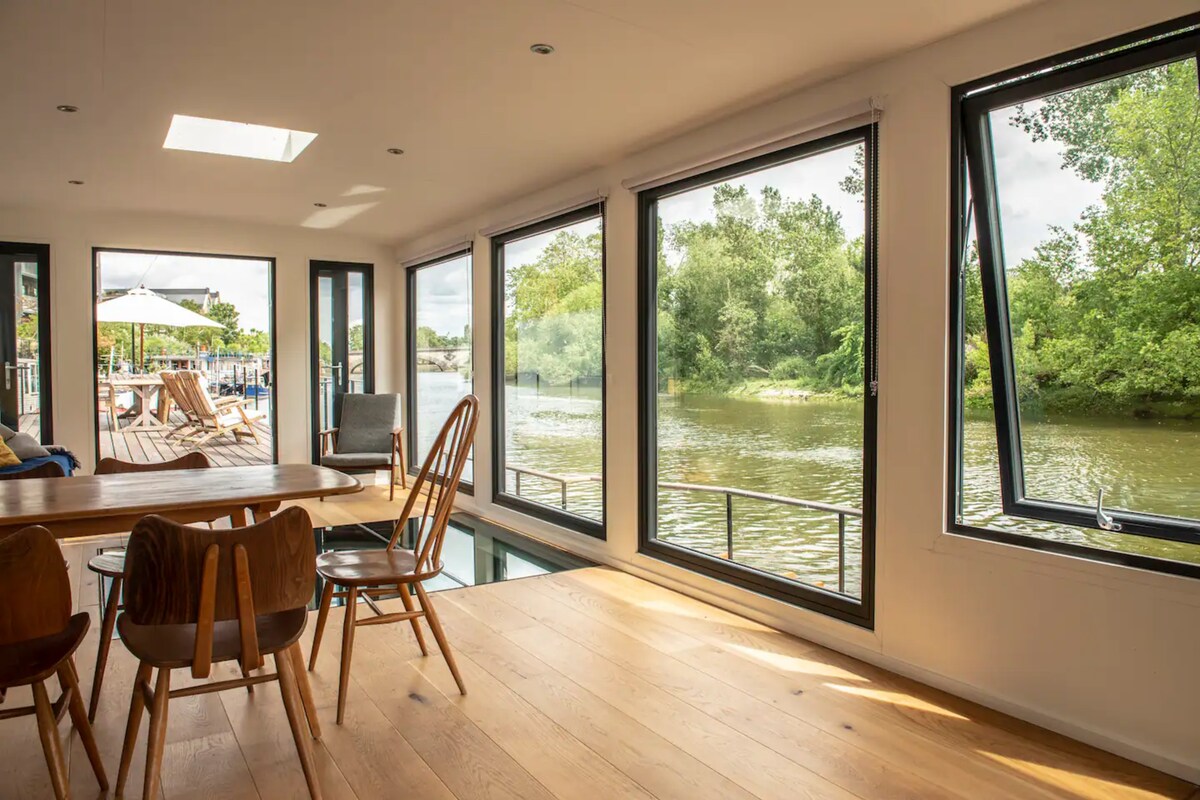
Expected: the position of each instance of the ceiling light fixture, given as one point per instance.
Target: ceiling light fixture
(541, 49)
(75, 183)
(396, 151)
(67, 109)
(224, 138)
(321, 205)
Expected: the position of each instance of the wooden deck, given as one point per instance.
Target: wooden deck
(588, 684)
(144, 447)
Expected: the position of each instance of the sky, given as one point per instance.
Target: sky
(242, 282)
(444, 295)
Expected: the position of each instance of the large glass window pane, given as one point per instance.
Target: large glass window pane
(439, 335)
(763, 411)
(551, 363)
(343, 356)
(206, 320)
(1089, 230)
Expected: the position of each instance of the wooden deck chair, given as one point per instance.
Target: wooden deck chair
(215, 418)
(175, 393)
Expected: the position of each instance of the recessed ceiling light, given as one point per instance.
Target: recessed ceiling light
(68, 109)
(396, 151)
(241, 139)
(75, 183)
(321, 205)
(541, 49)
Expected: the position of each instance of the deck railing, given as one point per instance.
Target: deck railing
(729, 492)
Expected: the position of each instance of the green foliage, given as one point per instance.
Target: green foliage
(1106, 316)
(554, 325)
(770, 287)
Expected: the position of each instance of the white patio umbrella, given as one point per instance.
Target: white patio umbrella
(143, 307)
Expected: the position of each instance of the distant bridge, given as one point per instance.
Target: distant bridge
(443, 359)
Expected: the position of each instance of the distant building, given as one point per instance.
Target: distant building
(205, 298)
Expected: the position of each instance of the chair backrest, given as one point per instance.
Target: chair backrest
(180, 575)
(367, 423)
(195, 388)
(439, 478)
(171, 387)
(113, 466)
(51, 469)
(35, 592)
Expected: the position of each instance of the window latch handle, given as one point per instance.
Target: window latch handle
(1105, 521)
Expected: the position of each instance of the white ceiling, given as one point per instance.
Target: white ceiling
(450, 81)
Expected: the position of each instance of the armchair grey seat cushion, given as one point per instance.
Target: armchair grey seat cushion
(354, 460)
(366, 426)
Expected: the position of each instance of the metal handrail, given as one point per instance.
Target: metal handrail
(729, 492)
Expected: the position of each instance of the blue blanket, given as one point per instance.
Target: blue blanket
(63, 460)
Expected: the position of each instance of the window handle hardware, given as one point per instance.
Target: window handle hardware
(1105, 521)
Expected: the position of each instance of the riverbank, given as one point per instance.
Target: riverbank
(778, 390)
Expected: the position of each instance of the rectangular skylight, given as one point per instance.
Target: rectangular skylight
(241, 139)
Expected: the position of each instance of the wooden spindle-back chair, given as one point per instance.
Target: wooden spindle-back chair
(111, 563)
(195, 597)
(371, 573)
(38, 639)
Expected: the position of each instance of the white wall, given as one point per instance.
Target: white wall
(72, 235)
(1105, 653)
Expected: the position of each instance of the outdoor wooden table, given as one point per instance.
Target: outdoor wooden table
(144, 388)
(90, 505)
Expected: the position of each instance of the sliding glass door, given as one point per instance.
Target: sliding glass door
(439, 351)
(25, 339)
(343, 359)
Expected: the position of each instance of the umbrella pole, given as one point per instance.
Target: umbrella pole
(142, 348)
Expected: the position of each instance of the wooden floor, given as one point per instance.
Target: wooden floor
(590, 685)
(146, 446)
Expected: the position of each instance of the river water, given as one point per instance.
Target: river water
(813, 451)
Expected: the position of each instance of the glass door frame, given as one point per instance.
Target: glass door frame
(45, 397)
(338, 270)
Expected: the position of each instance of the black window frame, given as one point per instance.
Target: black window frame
(972, 168)
(272, 272)
(860, 612)
(316, 269)
(416, 459)
(563, 519)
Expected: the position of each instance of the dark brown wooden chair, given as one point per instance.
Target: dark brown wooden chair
(371, 573)
(195, 597)
(111, 563)
(50, 469)
(38, 639)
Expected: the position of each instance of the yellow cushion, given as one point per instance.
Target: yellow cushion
(7, 457)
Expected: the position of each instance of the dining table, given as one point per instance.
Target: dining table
(91, 505)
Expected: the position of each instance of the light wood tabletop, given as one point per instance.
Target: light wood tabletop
(96, 504)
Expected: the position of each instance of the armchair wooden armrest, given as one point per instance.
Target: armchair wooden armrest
(328, 437)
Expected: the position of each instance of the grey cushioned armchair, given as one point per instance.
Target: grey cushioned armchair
(370, 437)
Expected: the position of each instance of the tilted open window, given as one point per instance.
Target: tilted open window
(1082, 187)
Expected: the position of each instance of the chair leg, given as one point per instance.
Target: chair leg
(403, 469)
(391, 483)
(158, 732)
(435, 625)
(106, 632)
(416, 623)
(347, 651)
(70, 682)
(306, 695)
(322, 616)
(136, 704)
(285, 666)
(51, 746)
